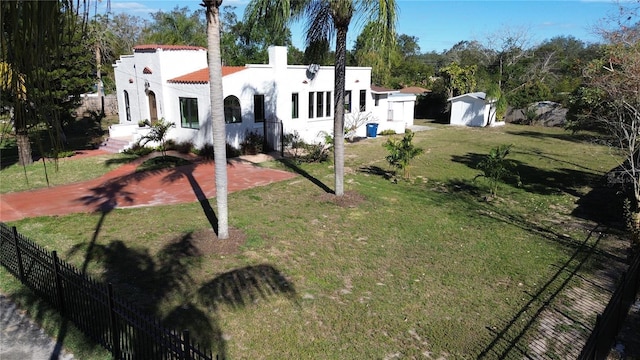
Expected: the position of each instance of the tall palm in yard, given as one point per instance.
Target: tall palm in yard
(217, 113)
(325, 18)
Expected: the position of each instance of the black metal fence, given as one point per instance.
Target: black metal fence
(598, 346)
(92, 306)
(273, 136)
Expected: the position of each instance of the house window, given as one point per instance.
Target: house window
(189, 113)
(127, 107)
(320, 104)
(258, 108)
(377, 99)
(363, 100)
(347, 101)
(294, 105)
(232, 112)
(311, 98)
(328, 113)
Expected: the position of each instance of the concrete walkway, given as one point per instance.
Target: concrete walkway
(22, 339)
(124, 187)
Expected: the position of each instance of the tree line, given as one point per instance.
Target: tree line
(506, 65)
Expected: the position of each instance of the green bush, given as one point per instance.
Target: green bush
(401, 152)
(138, 150)
(252, 144)
(496, 167)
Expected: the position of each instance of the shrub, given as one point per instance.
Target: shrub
(496, 168)
(232, 152)
(303, 152)
(388, 132)
(138, 150)
(316, 153)
(181, 147)
(158, 134)
(252, 144)
(401, 152)
(207, 151)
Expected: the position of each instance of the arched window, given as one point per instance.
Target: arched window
(232, 112)
(127, 108)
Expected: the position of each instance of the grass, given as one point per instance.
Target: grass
(415, 268)
(47, 172)
(162, 162)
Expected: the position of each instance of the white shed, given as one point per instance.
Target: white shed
(472, 109)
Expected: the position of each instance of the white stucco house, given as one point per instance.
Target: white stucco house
(473, 109)
(172, 82)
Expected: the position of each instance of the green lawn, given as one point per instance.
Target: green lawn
(407, 269)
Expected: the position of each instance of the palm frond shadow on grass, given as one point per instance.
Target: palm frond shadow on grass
(149, 280)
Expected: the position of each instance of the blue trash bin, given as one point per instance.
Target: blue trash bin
(372, 130)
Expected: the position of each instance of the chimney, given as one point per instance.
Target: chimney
(278, 58)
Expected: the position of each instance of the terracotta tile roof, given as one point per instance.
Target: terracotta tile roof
(154, 47)
(202, 76)
(380, 89)
(416, 90)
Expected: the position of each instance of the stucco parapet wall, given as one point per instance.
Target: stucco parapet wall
(154, 47)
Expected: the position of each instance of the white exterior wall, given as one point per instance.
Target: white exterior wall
(277, 81)
(130, 76)
(199, 137)
(472, 110)
(124, 71)
(468, 111)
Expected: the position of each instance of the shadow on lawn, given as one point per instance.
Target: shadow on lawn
(150, 281)
(540, 181)
(571, 137)
(514, 338)
(521, 336)
(291, 164)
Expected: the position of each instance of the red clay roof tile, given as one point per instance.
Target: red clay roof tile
(202, 76)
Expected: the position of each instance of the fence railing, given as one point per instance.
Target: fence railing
(598, 346)
(92, 306)
(273, 135)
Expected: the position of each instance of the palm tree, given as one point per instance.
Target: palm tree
(217, 113)
(325, 18)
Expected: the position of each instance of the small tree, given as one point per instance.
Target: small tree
(158, 134)
(496, 168)
(401, 152)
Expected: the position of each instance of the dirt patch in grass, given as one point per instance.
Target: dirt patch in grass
(350, 199)
(207, 242)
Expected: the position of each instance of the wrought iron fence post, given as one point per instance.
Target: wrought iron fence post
(18, 256)
(281, 131)
(58, 282)
(265, 133)
(186, 345)
(113, 323)
(596, 330)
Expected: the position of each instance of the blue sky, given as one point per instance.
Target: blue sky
(439, 25)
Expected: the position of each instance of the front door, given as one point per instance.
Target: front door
(153, 109)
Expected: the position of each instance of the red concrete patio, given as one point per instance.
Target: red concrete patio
(123, 188)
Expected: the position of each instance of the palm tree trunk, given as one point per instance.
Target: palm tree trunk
(338, 120)
(24, 147)
(217, 114)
